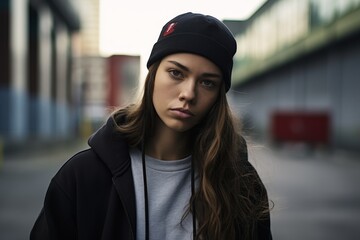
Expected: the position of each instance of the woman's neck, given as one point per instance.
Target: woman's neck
(167, 144)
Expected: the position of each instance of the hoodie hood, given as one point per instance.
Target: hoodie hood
(111, 147)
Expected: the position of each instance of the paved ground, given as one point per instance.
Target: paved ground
(316, 195)
(23, 182)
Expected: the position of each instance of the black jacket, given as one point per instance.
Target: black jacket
(92, 196)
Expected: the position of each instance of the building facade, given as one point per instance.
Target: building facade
(107, 83)
(36, 87)
(298, 59)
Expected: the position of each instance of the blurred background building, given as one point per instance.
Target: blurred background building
(106, 81)
(296, 72)
(295, 76)
(89, 11)
(35, 79)
(54, 84)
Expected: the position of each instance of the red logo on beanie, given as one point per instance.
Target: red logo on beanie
(170, 29)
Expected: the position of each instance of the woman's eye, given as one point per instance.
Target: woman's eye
(175, 74)
(208, 83)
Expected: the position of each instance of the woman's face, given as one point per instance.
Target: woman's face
(186, 87)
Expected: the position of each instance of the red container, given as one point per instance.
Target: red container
(309, 127)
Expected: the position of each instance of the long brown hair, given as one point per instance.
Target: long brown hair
(230, 197)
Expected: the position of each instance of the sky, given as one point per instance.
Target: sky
(131, 27)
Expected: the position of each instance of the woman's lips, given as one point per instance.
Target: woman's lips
(182, 113)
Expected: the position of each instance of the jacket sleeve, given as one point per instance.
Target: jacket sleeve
(263, 229)
(57, 217)
(262, 226)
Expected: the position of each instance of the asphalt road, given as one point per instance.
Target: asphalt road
(316, 194)
(24, 179)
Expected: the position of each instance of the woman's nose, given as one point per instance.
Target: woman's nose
(188, 91)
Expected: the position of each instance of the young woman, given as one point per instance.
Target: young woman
(173, 166)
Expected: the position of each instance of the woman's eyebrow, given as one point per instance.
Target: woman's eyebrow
(211, 75)
(180, 65)
(184, 68)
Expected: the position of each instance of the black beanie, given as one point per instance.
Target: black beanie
(198, 34)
